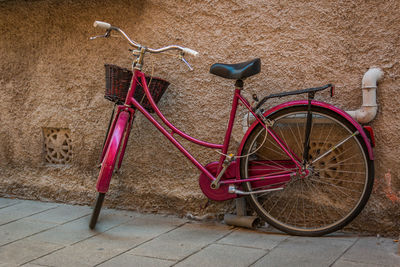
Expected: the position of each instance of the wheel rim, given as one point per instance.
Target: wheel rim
(336, 186)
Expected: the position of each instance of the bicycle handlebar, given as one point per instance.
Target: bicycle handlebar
(109, 27)
(102, 24)
(190, 51)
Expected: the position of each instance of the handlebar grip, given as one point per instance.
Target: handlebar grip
(102, 24)
(190, 52)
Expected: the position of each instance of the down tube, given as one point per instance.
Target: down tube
(172, 139)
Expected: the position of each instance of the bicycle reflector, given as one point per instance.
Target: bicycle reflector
(332, 90)
(370, 134)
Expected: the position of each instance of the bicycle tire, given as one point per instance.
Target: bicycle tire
(108, 164)
(96, 210)
(336, 190)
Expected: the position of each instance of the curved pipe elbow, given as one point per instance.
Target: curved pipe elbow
(371, 77)
(369, 108)
(364, 114)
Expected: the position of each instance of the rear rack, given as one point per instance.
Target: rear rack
(310, 91)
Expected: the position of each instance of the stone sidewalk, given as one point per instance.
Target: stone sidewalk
(35, 233)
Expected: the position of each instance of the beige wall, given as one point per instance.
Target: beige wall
(51, 75)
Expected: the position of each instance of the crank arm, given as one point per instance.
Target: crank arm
(215, 184)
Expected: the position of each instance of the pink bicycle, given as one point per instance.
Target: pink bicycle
(305, 166)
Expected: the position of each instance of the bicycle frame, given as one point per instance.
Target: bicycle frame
(266, 179)
(139, 77)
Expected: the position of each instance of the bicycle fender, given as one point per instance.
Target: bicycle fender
(107, 166)
(342, 113)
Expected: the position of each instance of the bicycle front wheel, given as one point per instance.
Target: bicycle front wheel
(96, 210)
(340, 179)
(108, 163)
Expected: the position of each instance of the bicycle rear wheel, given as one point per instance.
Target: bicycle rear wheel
(339, 183)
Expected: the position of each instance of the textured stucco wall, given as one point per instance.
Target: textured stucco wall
(51, 75)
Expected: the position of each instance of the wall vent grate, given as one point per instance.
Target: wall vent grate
(57, 146)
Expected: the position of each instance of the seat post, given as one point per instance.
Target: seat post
(239, 84)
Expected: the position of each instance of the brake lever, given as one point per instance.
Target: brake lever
(106, 35)
(184, 60)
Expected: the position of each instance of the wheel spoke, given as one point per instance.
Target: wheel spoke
(275, 165)
(296, 140)
(304, 209)
(336, 146)
(352, 172)
(340, 180)
(318, 193)
(334, 206)
(335, 186)
(300, 141)
(279, 149)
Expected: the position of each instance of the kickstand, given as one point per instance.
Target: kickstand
(241, 219)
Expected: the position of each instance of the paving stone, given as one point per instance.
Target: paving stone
(159, 219)
(8, 264)
(182, 241)
(111, 243)
(137, 261)
(20, 229)
(345, 263)
(23, 209)
(87, 253)
(7, 218)
(5, 202)
(223, 255)
(62, 214)
(253, 239)
(111, 217)
(25, 250)
(373, 250)
(304, 251)
(58, 262)
(90, 252)
(78, 230)
(146, 226)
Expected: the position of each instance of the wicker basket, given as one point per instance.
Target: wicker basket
(117, 85)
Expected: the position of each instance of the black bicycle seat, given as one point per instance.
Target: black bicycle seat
(237, 71)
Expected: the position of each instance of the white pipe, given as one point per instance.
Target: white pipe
(369, 108)
(248, 119)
